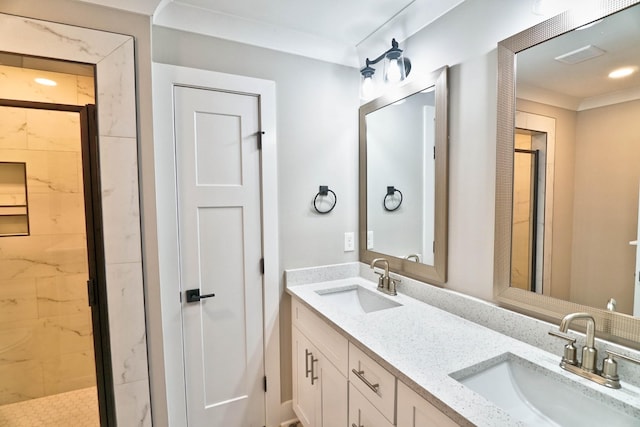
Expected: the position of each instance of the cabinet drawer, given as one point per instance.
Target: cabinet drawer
(373, 381)
(362, 413)
(414, 411)
(331, 344)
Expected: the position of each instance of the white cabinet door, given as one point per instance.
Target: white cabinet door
(333, 387)
(414, 411)
(362, 413)
(306, 381)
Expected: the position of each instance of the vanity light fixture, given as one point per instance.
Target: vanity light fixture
(396, 69)
(45, 82)
(622, 72)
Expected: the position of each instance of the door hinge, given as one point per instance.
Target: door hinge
(265, 383)
(92, 292)
(261, 265)
(260, 139)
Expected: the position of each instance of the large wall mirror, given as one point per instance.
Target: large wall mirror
(568, 169)
(403, 179)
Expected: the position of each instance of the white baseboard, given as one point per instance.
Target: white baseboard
(287, 415)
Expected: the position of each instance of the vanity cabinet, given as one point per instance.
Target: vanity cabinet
(319, 371)
(414, 411)
(336, 384)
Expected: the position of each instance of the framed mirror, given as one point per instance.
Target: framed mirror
(403, 178)
(568, 175)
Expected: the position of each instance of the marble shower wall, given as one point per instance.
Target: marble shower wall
(46, 343)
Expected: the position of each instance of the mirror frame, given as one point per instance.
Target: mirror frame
(616, 327)
(434, 274)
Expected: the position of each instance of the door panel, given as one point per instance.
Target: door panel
(220, 244)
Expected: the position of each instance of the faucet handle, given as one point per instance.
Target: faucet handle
(570, 350)
(610, 366)
(565, 337)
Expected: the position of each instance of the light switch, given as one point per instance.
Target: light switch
(369, 239)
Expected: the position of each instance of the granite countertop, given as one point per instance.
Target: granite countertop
(423, 345)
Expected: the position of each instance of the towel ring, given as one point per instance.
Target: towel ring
(324, 191)
(391, 191)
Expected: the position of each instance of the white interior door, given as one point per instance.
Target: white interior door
(220, 245)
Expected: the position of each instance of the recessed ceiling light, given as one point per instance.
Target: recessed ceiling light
(622, 72)
(45, 82)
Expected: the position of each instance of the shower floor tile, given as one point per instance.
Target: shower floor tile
(73, 408)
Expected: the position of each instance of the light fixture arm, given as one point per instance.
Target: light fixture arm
(393, 53)
(394, 48)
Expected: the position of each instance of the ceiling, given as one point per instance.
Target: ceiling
(330, 30)
(584, 84)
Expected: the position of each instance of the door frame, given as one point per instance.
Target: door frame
(165, 78)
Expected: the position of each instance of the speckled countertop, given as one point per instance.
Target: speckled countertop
(423, 345)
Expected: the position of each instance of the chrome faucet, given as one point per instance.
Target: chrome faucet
(587, 368)
(386, 283)
(589, 352)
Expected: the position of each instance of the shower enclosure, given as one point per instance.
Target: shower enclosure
(51, 333)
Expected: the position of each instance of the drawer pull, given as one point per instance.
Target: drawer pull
(354, 425)
(307, 371)
(313, 374)
(360, 374)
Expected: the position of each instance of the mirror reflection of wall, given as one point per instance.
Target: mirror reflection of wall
(400, 141)
(597, 153)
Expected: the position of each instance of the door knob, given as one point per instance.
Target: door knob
(193, 295)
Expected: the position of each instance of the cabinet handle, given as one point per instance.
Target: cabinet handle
(307, 371)
(360, 374)
(354, 425)
(313, 374)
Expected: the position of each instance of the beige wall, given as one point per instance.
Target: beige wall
(607, 173)
(46, 343)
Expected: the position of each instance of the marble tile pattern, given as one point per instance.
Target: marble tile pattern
(19, 83)
(423, 345)
(113, 56)
(53, 40)
(46, 342)
(118, 148)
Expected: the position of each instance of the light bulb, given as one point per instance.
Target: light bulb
(393, 73)
(367, 88)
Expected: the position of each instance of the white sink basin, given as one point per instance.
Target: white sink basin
(356, 299)
(540, 397)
